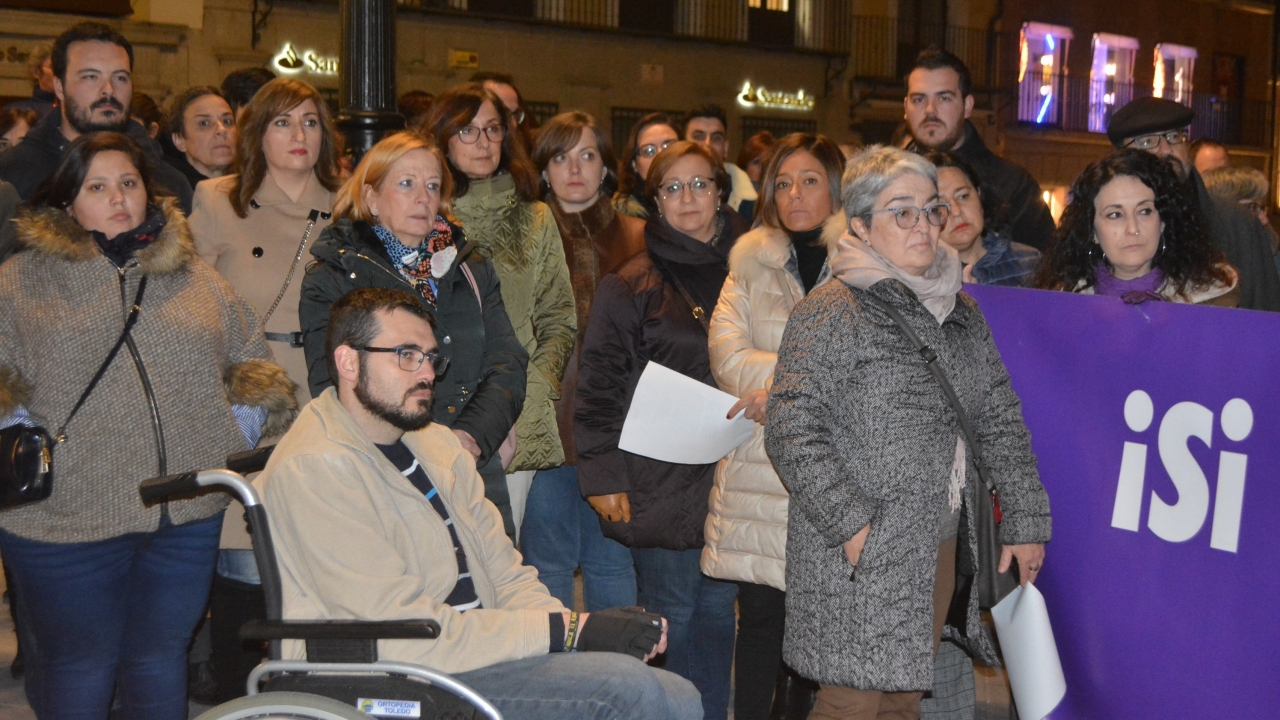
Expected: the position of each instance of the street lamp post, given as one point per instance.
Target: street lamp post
(368, 73)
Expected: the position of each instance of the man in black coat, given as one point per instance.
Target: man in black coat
(93, 79)
(1159, 126)
(938, 104)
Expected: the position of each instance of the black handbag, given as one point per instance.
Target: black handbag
(992, 586)
(26, 452)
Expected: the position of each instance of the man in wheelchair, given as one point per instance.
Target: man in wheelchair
(378, 514)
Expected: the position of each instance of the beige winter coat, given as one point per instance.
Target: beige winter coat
(746, 529)
(254, 253)
(356, 540)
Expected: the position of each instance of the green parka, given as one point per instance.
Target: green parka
(523, 242)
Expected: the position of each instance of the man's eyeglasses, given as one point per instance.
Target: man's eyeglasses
(700, 187)
(908, 216)
(1151, 142)
(471, 134)
(410, 359)
(648, 151)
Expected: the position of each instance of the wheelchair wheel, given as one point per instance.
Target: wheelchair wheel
(283, 705)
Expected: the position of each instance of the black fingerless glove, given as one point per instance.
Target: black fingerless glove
(630, 631)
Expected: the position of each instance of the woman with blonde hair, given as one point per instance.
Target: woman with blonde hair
(253, 226)
(395, 229)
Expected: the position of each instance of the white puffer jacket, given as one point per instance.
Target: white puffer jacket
(746, 530)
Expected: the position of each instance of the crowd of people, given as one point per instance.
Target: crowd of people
(443, 339)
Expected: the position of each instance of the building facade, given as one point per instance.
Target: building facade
(776, 66)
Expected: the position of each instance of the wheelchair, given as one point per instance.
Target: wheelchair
(341, 677)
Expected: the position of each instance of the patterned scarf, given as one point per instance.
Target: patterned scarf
(121, 248)
(424, 264)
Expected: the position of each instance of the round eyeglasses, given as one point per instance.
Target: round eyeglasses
(471, 134)
(1151, 142)
(648, 151)
(700, 187)
(908, 216)
(410, 359)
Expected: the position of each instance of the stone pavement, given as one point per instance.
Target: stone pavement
(991, 685)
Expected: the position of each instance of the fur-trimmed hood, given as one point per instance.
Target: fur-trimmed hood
(766, 247)
(54, 232)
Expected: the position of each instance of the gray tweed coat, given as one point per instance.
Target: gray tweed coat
(861, 432)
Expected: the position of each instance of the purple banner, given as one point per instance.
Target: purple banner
(1156, 430)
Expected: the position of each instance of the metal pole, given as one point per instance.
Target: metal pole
(368, 74)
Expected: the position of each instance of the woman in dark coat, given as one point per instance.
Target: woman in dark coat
(391, 197)
(864, 438)
(655, 308)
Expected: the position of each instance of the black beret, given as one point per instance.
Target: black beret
(1148, 115)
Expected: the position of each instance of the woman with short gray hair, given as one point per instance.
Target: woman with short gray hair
(873, 454)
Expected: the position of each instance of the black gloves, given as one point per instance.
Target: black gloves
(630, 631)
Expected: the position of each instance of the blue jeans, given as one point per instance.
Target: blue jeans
(113, 618)
(700, 620)
(562, 533)
(590, 686)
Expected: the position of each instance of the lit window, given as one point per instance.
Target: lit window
(779, 5)
(1042, 73)
(1111, 77)
(1174, 65)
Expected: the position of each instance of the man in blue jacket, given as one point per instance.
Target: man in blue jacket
(93, 79)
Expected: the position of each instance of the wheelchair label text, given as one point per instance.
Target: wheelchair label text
(390, 708)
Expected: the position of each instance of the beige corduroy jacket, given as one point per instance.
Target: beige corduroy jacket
(356, 540)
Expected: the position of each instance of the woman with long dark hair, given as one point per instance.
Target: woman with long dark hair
(495, 199)
(1130, 232)
(561, 533)
(651, 134)
(111, 589)
(254, 226)
(773, 267)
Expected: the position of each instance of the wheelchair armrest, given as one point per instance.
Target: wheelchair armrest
(339, 630)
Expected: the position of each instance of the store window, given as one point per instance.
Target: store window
(1110, 78)
(1042, 73)
(1174, 67)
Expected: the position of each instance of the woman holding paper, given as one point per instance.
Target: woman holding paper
(770, 270)
(865, 439)
(654, 308)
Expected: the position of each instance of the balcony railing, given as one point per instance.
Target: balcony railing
(885, 48)
(1082, 105)
(822, 26)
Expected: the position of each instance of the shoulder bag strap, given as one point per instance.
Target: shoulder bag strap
(312, 219)
(471, 279)
(931, 362)
(699, 313)
(129, 322)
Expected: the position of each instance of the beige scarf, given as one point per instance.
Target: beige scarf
(857, 264)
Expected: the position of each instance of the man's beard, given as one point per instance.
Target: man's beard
(1178, 167)
(81, 118)
(948, 143)
(405, 420)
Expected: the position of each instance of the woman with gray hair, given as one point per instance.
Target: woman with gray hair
(880, 477)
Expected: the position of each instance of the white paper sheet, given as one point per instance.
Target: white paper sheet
(1030, 653)
(677, 419)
